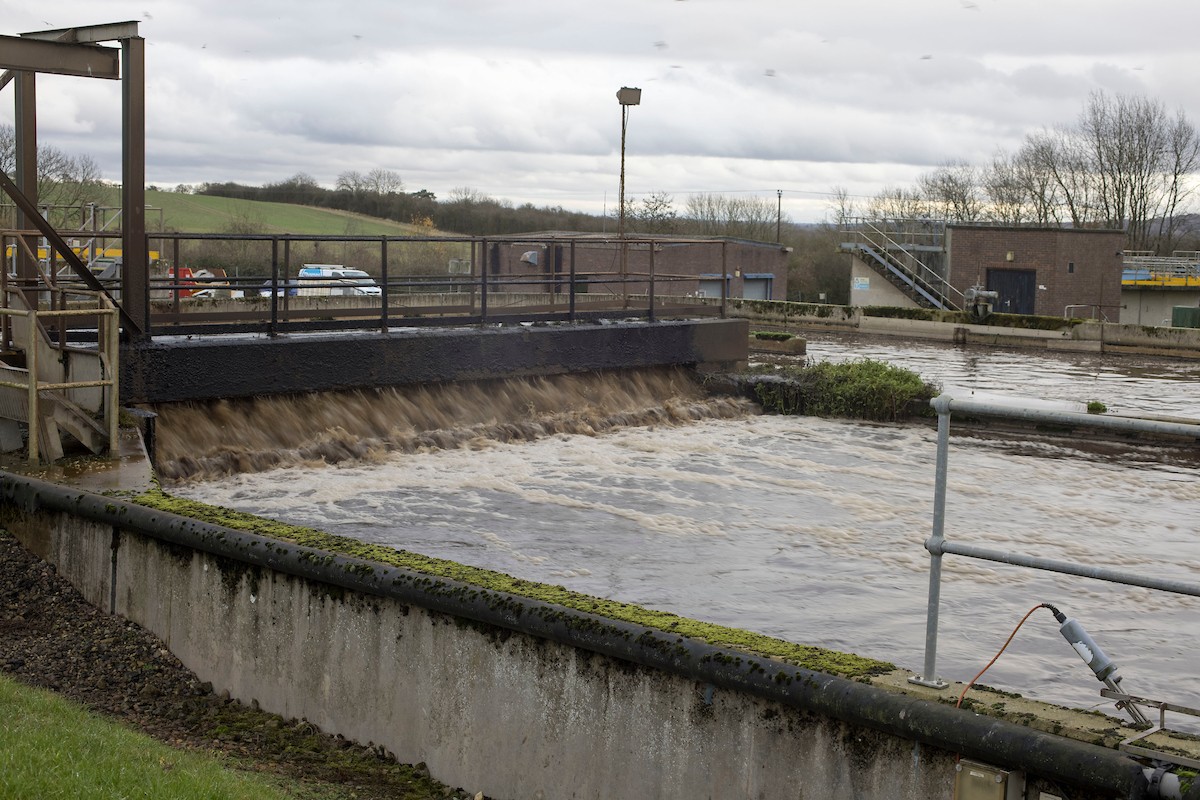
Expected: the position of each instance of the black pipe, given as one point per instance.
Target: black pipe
(930, 723)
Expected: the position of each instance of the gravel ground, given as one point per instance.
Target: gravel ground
(50, 637)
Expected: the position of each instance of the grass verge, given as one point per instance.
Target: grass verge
(51, 748)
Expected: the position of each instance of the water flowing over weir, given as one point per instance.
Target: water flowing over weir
(211, 440)
(803, 528)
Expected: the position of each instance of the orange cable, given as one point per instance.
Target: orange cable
(966, 688)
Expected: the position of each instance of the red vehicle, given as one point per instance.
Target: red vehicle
(185, 278)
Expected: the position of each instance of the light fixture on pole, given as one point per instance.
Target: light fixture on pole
(626, 97)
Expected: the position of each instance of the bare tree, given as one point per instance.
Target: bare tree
(63, 180)
(841, 207)
(656, 214)
(741, 217)
(383, 181)
(953, 192)
(896, 206)
(1123, 166)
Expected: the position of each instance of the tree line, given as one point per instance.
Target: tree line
(1126, 163)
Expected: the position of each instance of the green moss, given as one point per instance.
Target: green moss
(773, 336)
(1096, 407)
(483, 583)
(891, 312)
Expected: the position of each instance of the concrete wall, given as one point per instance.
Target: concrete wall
(1097, 337)
(869, 288)
(512, 697)
(598, 258)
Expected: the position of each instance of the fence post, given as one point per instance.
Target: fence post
(928, 676)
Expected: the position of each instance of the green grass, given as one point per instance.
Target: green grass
(193, 213)
(51, 748)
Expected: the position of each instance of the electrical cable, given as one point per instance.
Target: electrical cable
(979, 675)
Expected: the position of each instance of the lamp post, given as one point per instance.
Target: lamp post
(626, 97)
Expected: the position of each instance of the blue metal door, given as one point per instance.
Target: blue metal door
(1017, 290)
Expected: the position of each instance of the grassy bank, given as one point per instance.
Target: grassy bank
(53, 748)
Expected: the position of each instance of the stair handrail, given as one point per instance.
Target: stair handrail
(108, 334)
(940, 286)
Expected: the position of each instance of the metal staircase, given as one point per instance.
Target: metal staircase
(49, 388)
(895, 252)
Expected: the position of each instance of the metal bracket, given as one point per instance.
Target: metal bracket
(1128, 745)
(931, 683)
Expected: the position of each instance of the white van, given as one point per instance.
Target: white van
(334, 279)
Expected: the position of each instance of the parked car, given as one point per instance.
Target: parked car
(334, 279)
(290, 287)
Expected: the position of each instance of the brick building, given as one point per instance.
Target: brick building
(680, 266)
(1046, 271)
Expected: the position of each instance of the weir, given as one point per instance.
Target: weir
(207, 440)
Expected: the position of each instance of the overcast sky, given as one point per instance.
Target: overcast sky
(516, 98)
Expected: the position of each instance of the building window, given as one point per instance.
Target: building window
(1070, 266)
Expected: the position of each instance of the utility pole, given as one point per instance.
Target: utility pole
(779, 216)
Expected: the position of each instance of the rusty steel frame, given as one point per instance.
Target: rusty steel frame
(73, 51)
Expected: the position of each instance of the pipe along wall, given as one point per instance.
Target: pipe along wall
(512, 696)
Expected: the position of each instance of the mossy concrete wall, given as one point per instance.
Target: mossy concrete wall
(1084, 336)
(516, 715)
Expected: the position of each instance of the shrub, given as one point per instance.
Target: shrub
(861, 389)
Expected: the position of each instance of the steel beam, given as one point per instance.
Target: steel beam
(25, 176)
(87, 34)
(59, 58)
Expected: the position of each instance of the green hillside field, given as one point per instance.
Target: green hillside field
(192, 213)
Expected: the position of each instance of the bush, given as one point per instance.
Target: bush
(862, 389)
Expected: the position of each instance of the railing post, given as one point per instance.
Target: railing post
(651, 309)
(571, 300)
(929, 677)
(112, 412)
(272, 326)
(383, 282)
(31, 366)
(484, 275)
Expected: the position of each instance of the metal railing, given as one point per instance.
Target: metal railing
(1095, 311)
(1157, 268)
(107, 326)
(417, 280)
(938, 545)
(888, 239)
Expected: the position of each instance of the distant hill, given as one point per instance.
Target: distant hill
(193, 213)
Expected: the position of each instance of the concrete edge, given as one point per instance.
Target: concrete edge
(874, 705)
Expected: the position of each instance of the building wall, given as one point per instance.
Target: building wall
(869, 288)
(1092, 285)
(677, 267)
(1154, 306)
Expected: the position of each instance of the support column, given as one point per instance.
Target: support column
(25, 97)
(135, 261)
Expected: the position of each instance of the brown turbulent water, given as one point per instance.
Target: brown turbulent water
(211, 440)
(797, 527)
